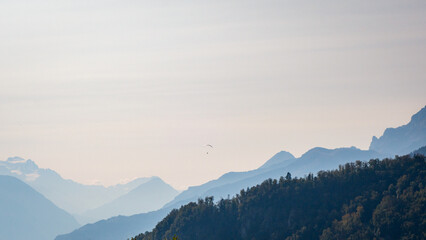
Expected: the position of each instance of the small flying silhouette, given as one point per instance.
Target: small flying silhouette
(208, 145)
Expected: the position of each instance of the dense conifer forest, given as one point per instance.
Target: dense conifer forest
(361, 200)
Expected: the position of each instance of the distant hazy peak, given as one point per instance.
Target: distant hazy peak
(316, 150)
(149, 180)
(19, 160)
(280, 157)
(155, 179)
(31, 165)
(404, 139)
(15, 159)
(17, 163)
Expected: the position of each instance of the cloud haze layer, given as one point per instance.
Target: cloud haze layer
(110, 90)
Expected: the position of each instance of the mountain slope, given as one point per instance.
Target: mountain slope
(67, 194)
(114, 228)
(279, 158)
(379, 199)
(404, 139)
(228, 184)
(78, 198)
(421, 150)
(123, 227)
(26, 214)
(312, 161)
(151, 195)
(193, 193)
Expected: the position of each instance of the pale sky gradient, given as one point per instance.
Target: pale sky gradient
(109, 90)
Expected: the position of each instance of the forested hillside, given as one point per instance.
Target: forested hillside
(362, 200)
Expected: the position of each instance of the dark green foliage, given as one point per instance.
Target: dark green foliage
(174, 238)
(375, 200)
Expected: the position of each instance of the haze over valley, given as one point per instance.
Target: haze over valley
(225, 119)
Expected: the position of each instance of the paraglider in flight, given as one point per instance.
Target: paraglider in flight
(208, 145)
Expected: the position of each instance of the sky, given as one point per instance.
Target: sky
(106, 91)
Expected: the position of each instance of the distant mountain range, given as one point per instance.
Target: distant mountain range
(411, 135)
(311, 162)
(26, 214)
(148, 196)
(71, 196)
(226, 186)
(82, 200)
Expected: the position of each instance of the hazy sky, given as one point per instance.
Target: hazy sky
(104, 91)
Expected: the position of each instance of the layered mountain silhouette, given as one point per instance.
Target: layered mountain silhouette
(80, 200)
(226, 186)
(26, 214)
(146, 197)
(67, 194)
(410, 137)
(404, 139)
(120, 227)
(361, 200)
(312, 161)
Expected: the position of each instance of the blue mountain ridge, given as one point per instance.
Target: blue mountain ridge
(148, 196)
(82, 200)
(403, 139)
(231, 183)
